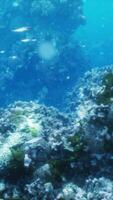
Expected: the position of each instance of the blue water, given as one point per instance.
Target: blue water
(97, 35)
(45, 47)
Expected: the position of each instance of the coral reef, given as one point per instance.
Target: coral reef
(38, 147)
(95, 108)
(91, 107)
(47, 155)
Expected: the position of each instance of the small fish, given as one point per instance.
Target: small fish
(21, 29)
(13, 57)
(28, 40)
(2, 52)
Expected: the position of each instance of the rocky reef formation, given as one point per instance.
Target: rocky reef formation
(49, 155)
(37, 52)
(36, 151)
(94, 105)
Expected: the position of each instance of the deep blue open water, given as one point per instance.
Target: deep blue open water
(97, 35)
(46, 46)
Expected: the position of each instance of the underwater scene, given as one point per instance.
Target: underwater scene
(56, 99)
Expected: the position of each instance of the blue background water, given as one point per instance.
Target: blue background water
(97, 35)
(25, 75)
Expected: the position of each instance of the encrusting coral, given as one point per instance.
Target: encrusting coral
(47, 154)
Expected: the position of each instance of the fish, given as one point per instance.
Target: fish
(28, 40)
(21, 29)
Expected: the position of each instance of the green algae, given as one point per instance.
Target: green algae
(61, 167)
(31, 131)
(76, 142)
(18, 154)
(16, 117)
(106, 97)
